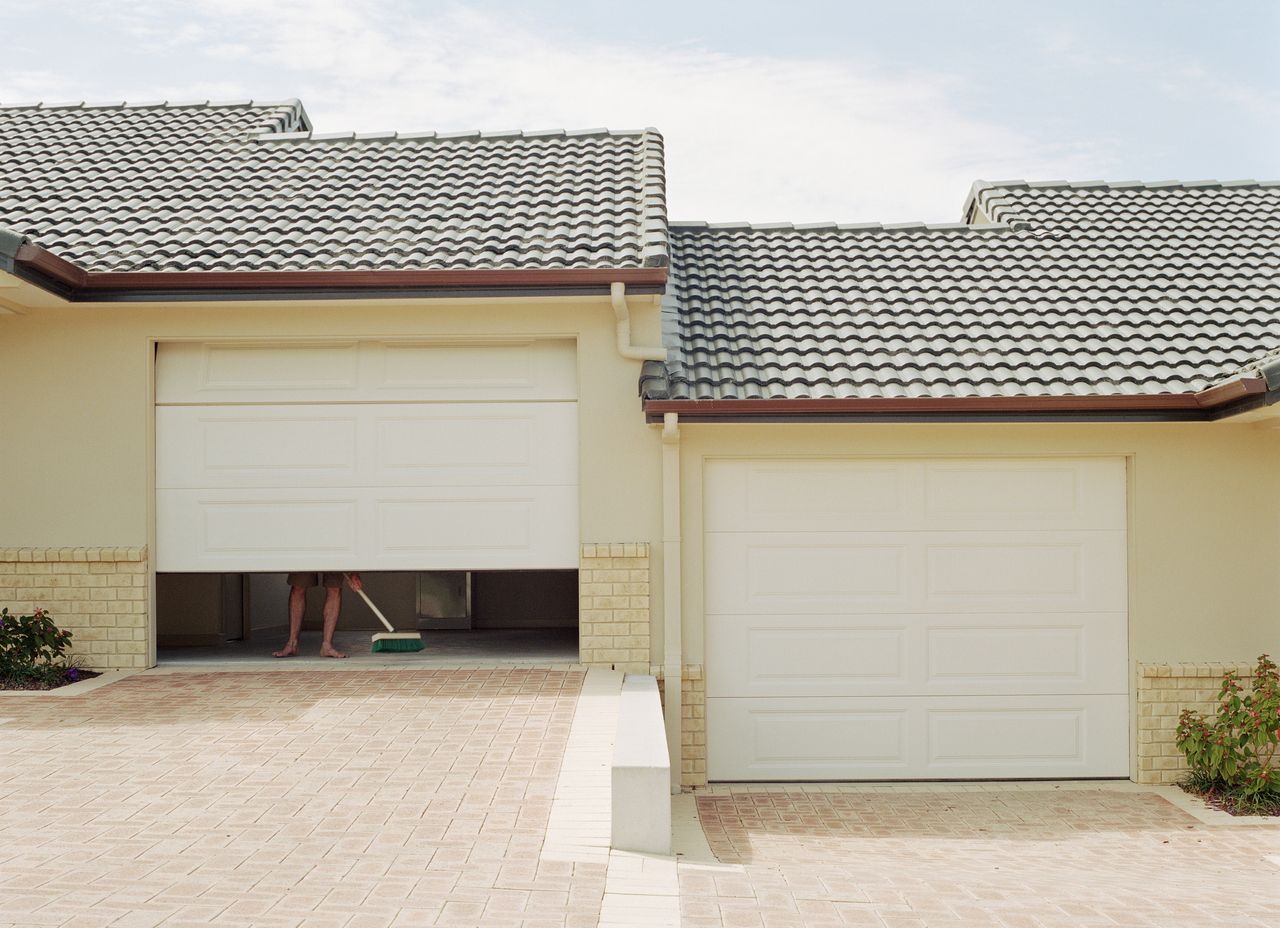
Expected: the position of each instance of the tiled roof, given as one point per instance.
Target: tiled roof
(1168, 209)
(244, 186)
(1087, 290)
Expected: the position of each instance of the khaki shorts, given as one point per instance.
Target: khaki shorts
(331, 581)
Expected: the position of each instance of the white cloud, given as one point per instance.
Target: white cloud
(754, 137)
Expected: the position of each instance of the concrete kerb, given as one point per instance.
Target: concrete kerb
(641, 771)
(80, 688)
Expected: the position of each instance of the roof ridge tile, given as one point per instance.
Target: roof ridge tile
(702, 225)
(466, 135)
(986, 185)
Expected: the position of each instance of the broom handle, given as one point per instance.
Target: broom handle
(369, 602)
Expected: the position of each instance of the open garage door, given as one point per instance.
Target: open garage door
(916, 619)
(366, 455)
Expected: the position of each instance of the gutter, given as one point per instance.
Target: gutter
(74, 283)
(618, 297)
(1214, 403)
(10, 244)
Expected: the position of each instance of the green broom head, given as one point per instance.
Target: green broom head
(397, 642)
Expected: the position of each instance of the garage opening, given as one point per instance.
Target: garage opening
(444, 472)
(916, 618)
(488, 617)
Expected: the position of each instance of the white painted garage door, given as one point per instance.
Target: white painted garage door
(916, 619)
(366, 455)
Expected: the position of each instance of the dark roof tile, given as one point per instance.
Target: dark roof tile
(1106, 289)
(173, 187)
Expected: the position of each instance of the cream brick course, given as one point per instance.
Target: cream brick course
(693, 725)
(614, 605)
(1163, 692)
(99, 594)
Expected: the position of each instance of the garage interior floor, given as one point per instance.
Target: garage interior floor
(467, 648)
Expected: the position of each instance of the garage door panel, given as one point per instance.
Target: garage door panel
(325, 445)
(912, 738)
(511, 444)
(752, 655)
(999, 494)
(811, 495)
(1060, 653)
(909, 655)
(233, 528)
(231, 372)
(367, 528)
(505, 527)
(914, 572)
(242, 446)
(825, 735)
(366, 454)
(998, 735)
(365, 371)
(1025, 572)
(916, 618)
(543, 369)
(1011, 494)
(806, 572)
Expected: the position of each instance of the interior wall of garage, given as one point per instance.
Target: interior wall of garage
(78, 397)
(395, 593)
(524, 599)
(189, 606)
(1204, 515)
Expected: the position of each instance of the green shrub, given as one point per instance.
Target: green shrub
(1234, 751)
(32, 648)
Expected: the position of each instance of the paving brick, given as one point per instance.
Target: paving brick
(973, 857)
(288, 798)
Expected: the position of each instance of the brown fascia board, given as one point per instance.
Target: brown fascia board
(1190, 405)
(75, 283)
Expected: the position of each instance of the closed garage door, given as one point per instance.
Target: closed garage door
(916, 619)
(366, 455)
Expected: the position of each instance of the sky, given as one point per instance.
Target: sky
(802, 111)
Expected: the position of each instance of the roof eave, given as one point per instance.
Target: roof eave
(1213, 403)
(72, 282)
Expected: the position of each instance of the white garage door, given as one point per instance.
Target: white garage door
(366, 456)
(916, 619)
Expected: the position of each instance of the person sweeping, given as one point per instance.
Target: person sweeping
(299, 583)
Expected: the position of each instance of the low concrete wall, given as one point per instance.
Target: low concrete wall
(641, 781)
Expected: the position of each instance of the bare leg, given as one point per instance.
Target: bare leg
(332, 605)
(297, 605)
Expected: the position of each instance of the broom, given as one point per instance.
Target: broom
(390, 640)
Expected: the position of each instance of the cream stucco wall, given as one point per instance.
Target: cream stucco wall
(1204, 515)
(78, 420)
(1204, 524)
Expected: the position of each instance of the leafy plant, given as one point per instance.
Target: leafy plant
(32, 647)
(1235, 750)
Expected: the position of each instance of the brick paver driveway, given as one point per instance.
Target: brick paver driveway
(480, 798)
(996, 857)
(321, 798)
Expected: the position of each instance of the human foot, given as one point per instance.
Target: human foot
(328, 650)
(288, 650)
